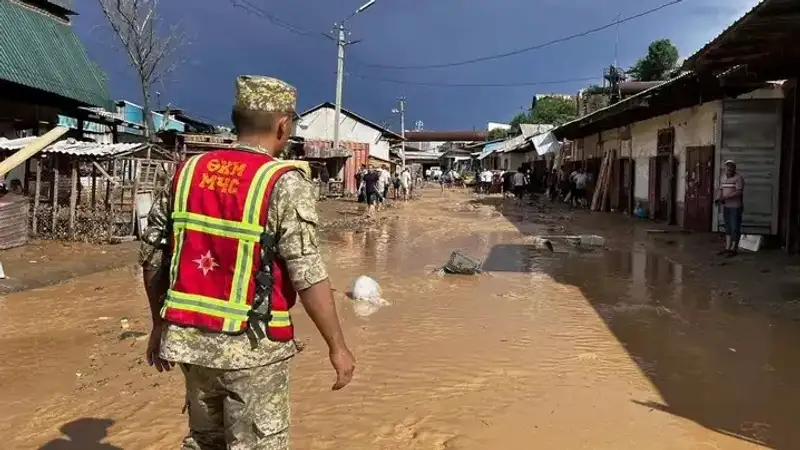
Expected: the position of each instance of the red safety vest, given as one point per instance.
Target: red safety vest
(220, 203)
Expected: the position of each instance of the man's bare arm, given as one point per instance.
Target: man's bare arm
(318, 302)
(156, 284)
(154, 254)
(294, 204)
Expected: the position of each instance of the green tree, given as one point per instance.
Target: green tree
(660, 62)
(548, 110)
(497, 133)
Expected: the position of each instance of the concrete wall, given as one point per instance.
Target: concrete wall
(320, 123)
(511, 161)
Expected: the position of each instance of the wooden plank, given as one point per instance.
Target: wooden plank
(105, 174)
(73, 198)
(31, 149)
(37, 190)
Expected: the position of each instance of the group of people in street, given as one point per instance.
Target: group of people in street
(570, 187)
(374, 184)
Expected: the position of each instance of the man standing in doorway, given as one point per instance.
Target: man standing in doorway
(730, 196)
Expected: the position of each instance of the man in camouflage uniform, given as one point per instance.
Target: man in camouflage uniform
(237, 387)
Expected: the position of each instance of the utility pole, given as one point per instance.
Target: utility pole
(340, 43)
(340, 32)
(402, 101)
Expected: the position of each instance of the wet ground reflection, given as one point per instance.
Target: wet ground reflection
(713, 361)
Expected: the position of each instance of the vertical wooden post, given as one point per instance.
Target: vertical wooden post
(123, 171)
(73, 198)
(134, 215)
(94, 185)
(25, 177)
(110, 171)
(36, 193)
(55, 192)
(110, 199)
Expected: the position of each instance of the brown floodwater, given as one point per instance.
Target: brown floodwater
(581, 348)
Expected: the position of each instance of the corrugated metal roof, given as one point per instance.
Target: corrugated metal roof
(765, 35)
(77, 148)
(531, 129)
(385, 131)
(427, 156)
(72, 147)
(621, 105)
(41, 51)
(15, 144)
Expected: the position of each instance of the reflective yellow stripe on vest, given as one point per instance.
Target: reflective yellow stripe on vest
(247, 232)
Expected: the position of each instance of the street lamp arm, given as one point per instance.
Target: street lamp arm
(361, 9)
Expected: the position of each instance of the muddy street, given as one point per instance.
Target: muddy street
(644, 344)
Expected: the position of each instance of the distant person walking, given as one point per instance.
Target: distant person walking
(371, 191)
(485, 182)
(396, 185)
(324, 180)
(385, 181)
(360, 183)
(405, 183)
(730, 196)
(580, 179)
(519, 179)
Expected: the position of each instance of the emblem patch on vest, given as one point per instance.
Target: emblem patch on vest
(206, 263)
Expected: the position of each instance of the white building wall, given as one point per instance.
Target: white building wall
(320, 123)
(694, 126)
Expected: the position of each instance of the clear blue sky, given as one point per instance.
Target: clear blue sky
(226, 41)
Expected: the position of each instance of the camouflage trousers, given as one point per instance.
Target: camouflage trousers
(243, 409)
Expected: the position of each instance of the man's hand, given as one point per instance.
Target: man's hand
(344, 363)
(154, 350)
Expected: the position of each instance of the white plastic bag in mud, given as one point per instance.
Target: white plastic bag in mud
(367, 289)
(367, 296)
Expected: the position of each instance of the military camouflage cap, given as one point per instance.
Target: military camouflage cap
(267, 94)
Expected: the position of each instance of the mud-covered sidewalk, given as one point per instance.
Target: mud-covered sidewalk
(652, 342)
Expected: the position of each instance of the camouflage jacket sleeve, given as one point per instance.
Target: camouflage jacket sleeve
(293, 214)
(155, 238)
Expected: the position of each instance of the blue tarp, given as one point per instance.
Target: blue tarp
(488, 149)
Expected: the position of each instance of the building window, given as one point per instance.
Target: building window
(665, 144)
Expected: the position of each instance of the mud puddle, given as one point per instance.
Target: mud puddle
(600, 349)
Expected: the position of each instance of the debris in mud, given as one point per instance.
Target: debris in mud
(540, 243)
(367, 296)
(138, 335)
(461, 264)
(365, 288)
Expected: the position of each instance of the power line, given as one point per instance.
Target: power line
(473, 85)
(527, 49)
(248, 6)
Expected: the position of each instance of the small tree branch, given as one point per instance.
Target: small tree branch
(153, 56)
